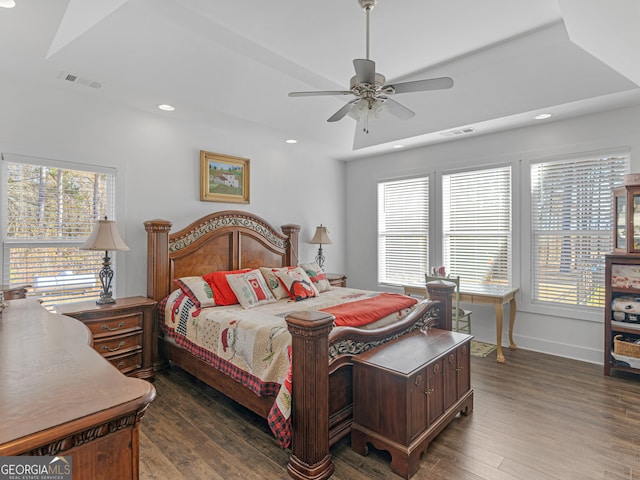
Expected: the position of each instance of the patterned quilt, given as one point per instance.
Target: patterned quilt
(253, 346)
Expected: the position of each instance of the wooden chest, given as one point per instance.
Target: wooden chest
(407, 391)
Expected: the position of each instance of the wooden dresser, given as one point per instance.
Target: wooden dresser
(123, 332)
(406, 391)
(60, 397)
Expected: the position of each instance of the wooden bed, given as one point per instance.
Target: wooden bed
(321, 355)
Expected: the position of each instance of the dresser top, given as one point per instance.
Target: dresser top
(50, 376)
(87, 306)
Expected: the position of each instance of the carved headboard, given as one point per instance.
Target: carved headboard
(226, 240)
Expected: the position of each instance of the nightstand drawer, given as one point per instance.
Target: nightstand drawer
(117, 325)
(127, 363)
(118, 345)
(124, 332)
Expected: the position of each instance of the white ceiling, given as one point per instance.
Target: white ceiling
(230, 64)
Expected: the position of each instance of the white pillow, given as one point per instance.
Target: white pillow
(274, 284)
(297, 283)
(317, 276)
(250, 288)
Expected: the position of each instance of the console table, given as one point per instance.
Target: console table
(495, 295)
(60, 397)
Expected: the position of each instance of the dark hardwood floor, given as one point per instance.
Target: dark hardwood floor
(535, 417)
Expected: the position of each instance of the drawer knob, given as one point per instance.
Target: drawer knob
(117, 327)
(428, 391)
(118, 347)
(120, 365)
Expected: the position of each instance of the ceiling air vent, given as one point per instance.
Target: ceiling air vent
(459, 131)
(69, 77)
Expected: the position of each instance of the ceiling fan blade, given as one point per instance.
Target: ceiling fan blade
(365, 71)
(320, 93)
(340, 114)
(440, 83)
(398, 110)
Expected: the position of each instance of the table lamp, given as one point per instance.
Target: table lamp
(321, 237)
(105, 236)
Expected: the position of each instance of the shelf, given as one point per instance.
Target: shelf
(625, 326)
(631, 363)
(627, 290)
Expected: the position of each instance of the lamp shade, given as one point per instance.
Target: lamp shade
(105, 236)
(321, 236)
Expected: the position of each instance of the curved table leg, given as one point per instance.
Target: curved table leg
(512, 320)
(499, 317)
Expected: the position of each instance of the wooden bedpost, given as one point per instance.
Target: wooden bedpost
(310, 456)
(441, 291)
(157, 258)
(291, 231)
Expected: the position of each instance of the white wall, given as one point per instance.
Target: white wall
(158, 163)
(566, 333)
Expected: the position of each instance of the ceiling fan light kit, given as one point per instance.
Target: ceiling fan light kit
(371, 92)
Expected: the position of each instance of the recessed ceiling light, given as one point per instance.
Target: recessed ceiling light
(167, 108)
(291, 140)
(398, 146)
(7, 3)
(542, 116)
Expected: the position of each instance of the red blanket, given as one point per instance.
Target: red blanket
(363, 312)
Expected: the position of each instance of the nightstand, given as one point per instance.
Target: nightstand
(12, 293)
(337, 279)
(122, 332)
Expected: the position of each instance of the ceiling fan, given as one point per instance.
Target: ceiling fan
(371, 92)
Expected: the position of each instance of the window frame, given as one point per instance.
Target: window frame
(513, 176)
(429, 186)
(8, 243)
(527, 303)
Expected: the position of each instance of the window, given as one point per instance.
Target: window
(403, 231)
(51, 208)
(476, 225)
(572, 225)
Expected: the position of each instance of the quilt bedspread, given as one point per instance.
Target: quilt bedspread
(253, 346)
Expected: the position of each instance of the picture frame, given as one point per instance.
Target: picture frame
(223, 178)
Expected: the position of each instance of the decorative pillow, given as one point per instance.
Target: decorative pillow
(250, 288)
(198, 290)
(222, 293)
(297, 283)
(317, 276)
(274, 284)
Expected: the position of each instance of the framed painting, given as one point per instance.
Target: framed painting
(223, 178)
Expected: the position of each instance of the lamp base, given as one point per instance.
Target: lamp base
(105, 300)
(106, 275)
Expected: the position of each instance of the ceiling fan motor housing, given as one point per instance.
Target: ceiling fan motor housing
(379, 82)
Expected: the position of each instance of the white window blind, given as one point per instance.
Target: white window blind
(403, 231)
(572, 225)
(50, 211)
(476, 209)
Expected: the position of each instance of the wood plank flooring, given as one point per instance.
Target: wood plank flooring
(535, 417)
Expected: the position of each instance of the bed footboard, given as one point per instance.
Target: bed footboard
(320, 419)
